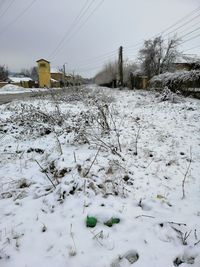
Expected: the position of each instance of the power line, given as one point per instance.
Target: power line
(6, 10)
(103, 61)
(128, 48)
(19, 16)
(86, 69)
(134, 49)
(193, 25)
(103, 56)
(77, 19)
(183, 25)
(194, 47)
(192, 38)
(81, 13)
(171, 26)
(81, 26)
(181, 19)
(2, 3)
(190, 32)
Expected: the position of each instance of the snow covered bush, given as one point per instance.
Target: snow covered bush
(29, 120)
(168, 95)
(177, 80)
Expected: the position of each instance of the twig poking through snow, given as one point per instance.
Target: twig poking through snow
(177, 223)
(185, 176)
(92, 162)
(73, 253)
(197, 243)
(136, 141)
(182, 236)
(45, 173)
(59, 144)
(74, 156)
(147, 216)
(97, 236)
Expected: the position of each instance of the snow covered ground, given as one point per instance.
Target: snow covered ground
(12, 89)
(106, 154)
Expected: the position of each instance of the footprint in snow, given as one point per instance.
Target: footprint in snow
(130, 257)
(184, 259)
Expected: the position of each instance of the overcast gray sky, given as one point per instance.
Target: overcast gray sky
(37, 32)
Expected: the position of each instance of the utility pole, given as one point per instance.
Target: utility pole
(64, 76)
(120, 64)
(73, 78)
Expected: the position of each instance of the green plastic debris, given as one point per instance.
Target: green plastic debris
(160, 197)
(115, 220)
(91, 221)
(109, 223)
(112, 221)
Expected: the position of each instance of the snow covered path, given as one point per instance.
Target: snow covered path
(129, 165)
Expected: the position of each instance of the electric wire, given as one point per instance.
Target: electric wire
(192, 38)
(2, 3)
(190, 32)
(6, 10)
(130, 48)
(77, 19)
(19, 16)
(81, 26)
(181, 19)
(192, 48)
(181, 26)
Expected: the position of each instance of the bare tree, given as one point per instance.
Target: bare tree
(108, 75)
(25, 72)
(34, 73)
(31, 73)
(3, 73)
(128, 69)
(157, 56)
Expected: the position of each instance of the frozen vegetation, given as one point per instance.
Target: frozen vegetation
(124, 162)
(177, 80)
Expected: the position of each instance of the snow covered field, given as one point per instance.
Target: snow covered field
(106, 154)
(12, 89)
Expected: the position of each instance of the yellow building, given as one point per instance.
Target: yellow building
(44, 73)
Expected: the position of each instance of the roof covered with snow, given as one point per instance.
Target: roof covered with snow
(53, 80)
(19, 79)
(42, 59)
(55, 70)
(187, 59)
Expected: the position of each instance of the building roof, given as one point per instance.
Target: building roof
(187, 59)
(55, 70)
(53, 80)
(19, 79)
(42, 59)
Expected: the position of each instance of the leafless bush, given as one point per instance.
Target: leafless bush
(183, 236)
(100, 126)
(34, 121)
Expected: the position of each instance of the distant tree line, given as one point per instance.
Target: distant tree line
(3, 73)
(155, 57)
(31, 73)
(109, 74)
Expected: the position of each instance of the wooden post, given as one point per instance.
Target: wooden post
(121, 77)
(64, 74)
